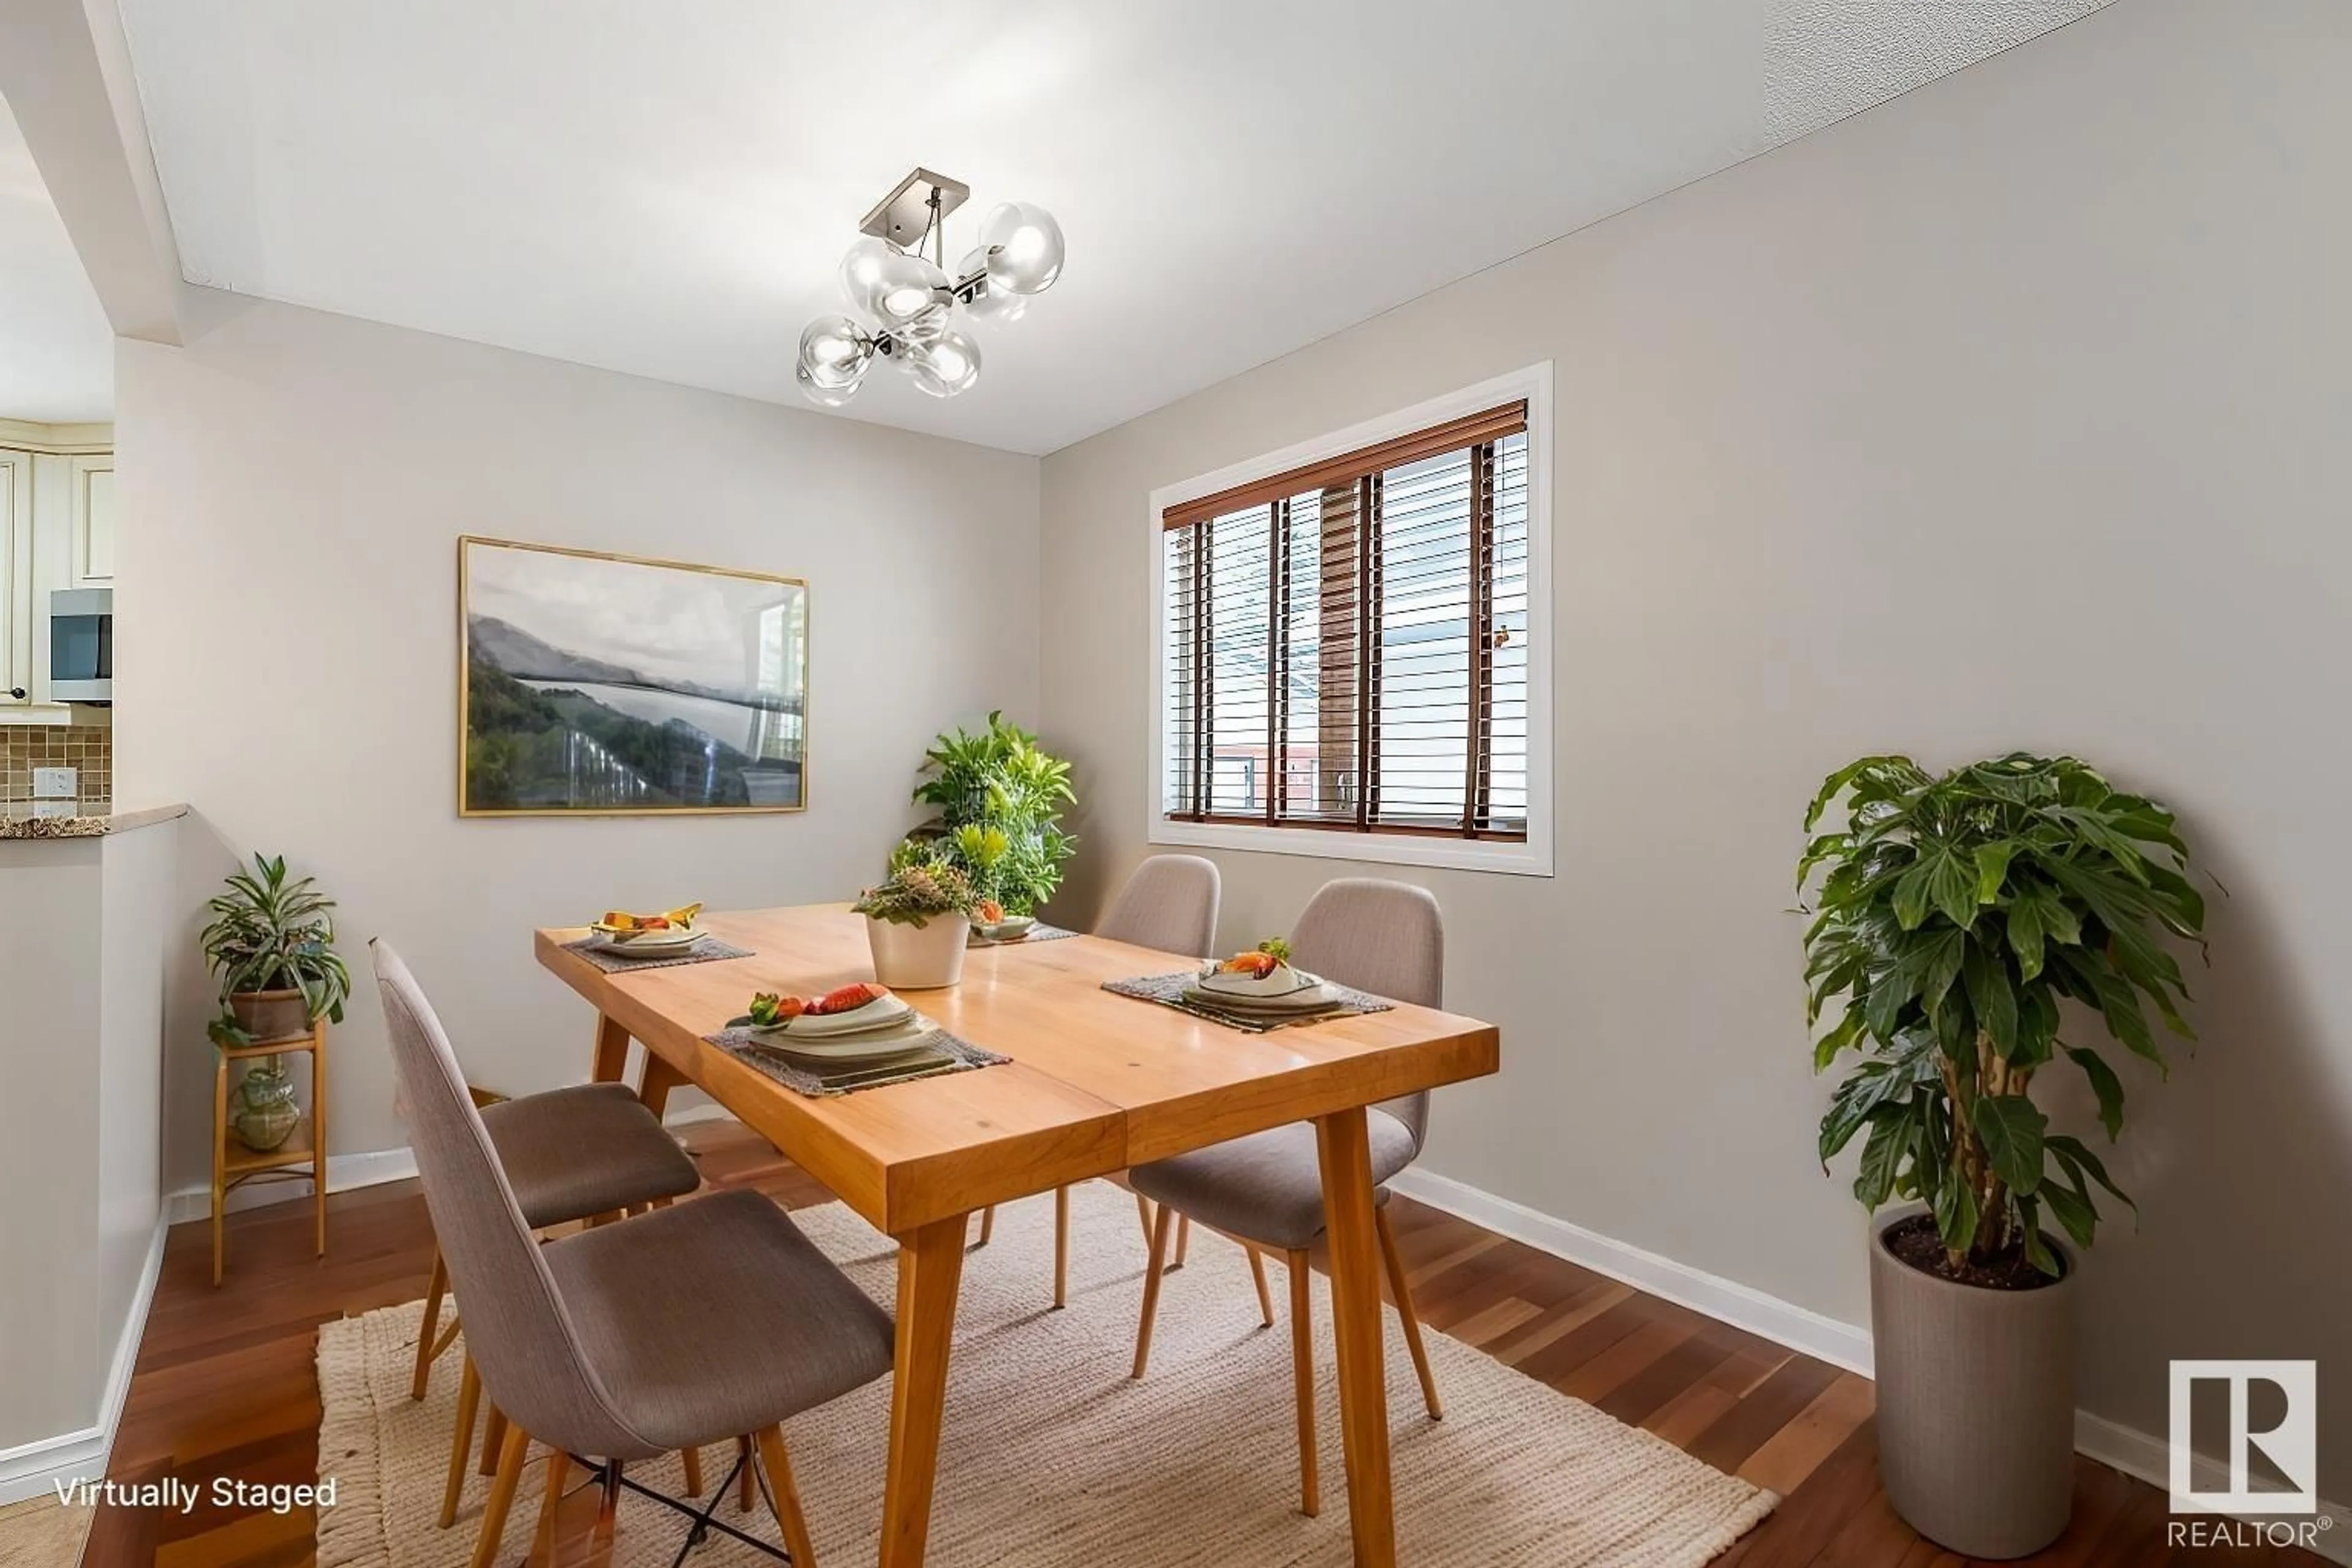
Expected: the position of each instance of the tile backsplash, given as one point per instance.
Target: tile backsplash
(88, 748)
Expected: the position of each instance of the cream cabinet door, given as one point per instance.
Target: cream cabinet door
(16, 618)
(93, 522)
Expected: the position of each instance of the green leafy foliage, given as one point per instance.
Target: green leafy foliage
(1000, 797)
(1949, 917)
(924, 880)
(269, 934)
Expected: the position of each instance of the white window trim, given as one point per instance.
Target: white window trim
(1532, 857)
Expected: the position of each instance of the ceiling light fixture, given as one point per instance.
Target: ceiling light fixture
(909, 301)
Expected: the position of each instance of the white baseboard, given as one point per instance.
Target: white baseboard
(33, 1469)
(2135, 1453)
(2148, 1458)
(345, 1171)
(1782, 1323)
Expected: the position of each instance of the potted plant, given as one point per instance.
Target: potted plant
(918, 918)
(1000, 797)
(1953, 915)
(271, 945)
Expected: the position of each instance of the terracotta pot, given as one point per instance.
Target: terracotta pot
(918, 958)
(271, 1015)
(1975, 1403)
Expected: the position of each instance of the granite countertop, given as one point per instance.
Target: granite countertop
(97, 824)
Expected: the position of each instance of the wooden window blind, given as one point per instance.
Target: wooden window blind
(1347, 642)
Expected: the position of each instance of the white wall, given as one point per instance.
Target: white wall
(293, 484)
(51, 1363)
(2011, 414)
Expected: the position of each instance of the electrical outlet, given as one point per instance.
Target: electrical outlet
(55, 783)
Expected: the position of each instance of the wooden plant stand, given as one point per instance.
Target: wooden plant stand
(234, 1164)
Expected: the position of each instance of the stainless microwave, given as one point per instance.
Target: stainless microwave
(81, 645)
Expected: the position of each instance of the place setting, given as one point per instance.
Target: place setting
(992, 927)
(1255, 992)
(862, 1036)
(621, 941)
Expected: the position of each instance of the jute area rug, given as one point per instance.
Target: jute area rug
(1051, 1455)
(39, 1533)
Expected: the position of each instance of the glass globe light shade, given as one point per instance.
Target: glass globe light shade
(906, 294)
(990, 303)
(821, 393)
(1025, 247)
(946, 365)
(861, 272)
(836, 350)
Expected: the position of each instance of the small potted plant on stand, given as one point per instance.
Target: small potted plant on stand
(918, 920)
(1953, 916)
(271, 945)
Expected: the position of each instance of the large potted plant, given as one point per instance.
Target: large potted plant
(1954, 917)
(1000, 797)
(918, 918)
(271, 945)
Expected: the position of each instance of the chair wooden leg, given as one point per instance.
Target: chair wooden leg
(512, 1451)
(461, 1444)
(1143, 1213)
(1257, 1277)
(987, 1225)
(786, 1498)
(494, 1433)
(559, 1466)
(1183, 1240)
(692, 1459)
(1159, 1229)
(1403, 1294)
(743, 1480)
(1302, 1370)
(425, 1350)
(1061, 1247)
(608, 1509)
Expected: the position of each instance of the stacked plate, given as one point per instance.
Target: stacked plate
(638, 943)
(1284, 993)
(885, 1026)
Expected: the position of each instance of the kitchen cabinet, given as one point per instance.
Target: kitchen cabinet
(16, 567)
(92, 538)
(58, 530)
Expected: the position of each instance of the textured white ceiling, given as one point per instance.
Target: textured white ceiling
(668, 189)
(57, 350)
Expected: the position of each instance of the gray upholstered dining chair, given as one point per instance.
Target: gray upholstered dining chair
(709, 1321)
(1265, 1191)
(1169, 903)
(579, 1154)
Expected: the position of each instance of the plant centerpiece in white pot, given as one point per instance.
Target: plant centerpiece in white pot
(918, 918)
(1000, 797)
(1953, 916)
(271, 943)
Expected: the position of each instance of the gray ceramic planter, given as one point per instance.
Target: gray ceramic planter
(1976, 1404)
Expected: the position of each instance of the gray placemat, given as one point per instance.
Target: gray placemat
(1168, 990)
(749, 1049)
(615, 960)
(1039, 933)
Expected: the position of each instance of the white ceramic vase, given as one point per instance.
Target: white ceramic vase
(918, 958)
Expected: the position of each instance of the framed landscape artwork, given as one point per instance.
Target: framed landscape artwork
(597, 683)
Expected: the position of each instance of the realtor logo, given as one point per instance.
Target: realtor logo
(2288, 1441)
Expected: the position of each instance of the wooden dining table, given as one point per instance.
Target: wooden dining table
(1098, 1082)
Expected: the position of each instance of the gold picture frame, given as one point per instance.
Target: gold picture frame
(596, 684)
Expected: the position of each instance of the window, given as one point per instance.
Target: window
(1345, 650)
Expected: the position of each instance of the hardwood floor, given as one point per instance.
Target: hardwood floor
(225, 1384)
